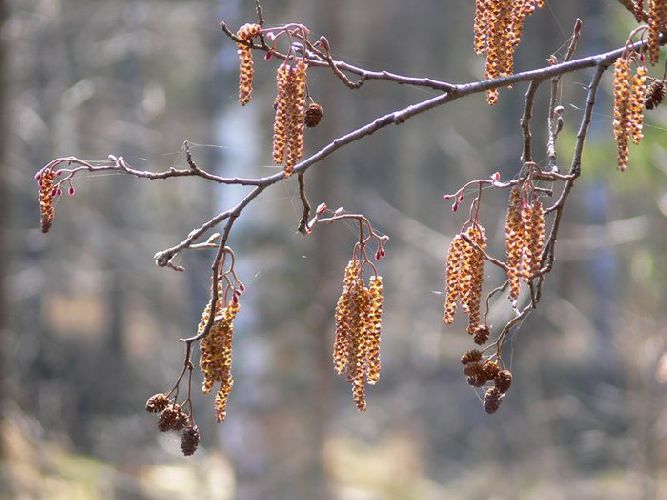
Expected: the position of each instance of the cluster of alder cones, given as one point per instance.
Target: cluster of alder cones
(174, 418)
(464, 281)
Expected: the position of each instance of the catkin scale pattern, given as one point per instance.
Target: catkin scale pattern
(246, 71)
(289, 122)
(525, 229)
(497, 27)
(630, 95)
(216, 355)
(46, 208)
(464, 276)
(358, 317)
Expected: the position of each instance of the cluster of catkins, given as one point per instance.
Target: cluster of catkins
(464, 280)
(524, 239)
(290, 115)
(498, 26)
(358, 328)
(47, 192)
(174, 418)
(630, 92)
(479, 371)
(216, 353)
(245, 34)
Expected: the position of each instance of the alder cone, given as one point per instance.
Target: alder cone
(492, 399)
(157, 403)
(314, 115)
(190, 440)
(655, 94)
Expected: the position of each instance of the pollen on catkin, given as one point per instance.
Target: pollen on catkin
(514, 242)
(533, 217)
(498, 27)
(621, 109)
(216, 358)
(636, 104)
(453, 275)
(464, 276)
(474, 276)
(657, 15)
(290, 118)
(374, 328)
(246, 71)
(280, 121)
(358, 329)
(46, 193)
(295, 117)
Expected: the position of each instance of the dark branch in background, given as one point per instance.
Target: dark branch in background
(525, 120)
(575, 171)
(555, 118)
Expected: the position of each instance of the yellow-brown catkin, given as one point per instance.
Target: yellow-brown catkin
(280, 122)
(246, 73)
(358, 368)
(358, 330)
(453, 275)
(374, 328)
(535, 227)
(46, 209)
(514, 242)
(481, 25)
(656, 22)
(474, 276)
(498, 27)
(621, 109)
(216, 358)
(344, 334)
(295, 117)
(498, 46)
(636, 104)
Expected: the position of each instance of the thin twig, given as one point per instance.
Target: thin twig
(303, 224)
(525, 120)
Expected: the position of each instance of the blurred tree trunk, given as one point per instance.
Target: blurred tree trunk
(4, 218)
(4, 242)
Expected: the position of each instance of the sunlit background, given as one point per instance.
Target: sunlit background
(90, 326)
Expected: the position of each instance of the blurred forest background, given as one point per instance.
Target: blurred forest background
(89, 325)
